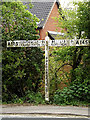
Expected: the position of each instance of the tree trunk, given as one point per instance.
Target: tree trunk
(76, 61)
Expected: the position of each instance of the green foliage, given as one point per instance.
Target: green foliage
(75, 94)
(63, 97)
(18, 23)
(29, 97)
(77, 22)
(57, 74)
(83, 20)
(35, 98)
(21, 71)
(77, 91)
(22, 67)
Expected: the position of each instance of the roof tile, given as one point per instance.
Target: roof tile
(41, 9)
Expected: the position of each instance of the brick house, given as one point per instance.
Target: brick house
(46, 11)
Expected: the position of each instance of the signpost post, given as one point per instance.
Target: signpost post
(47, 43)
(46, 69)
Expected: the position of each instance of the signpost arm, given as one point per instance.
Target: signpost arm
(46, 69)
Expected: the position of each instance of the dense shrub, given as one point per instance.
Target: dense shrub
(76, 93)
(78, 90)
(34, 98)
(22, 67)
(30, 97)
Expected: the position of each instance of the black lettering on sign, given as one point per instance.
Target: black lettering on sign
(46, 84)
(87, 42)
(28, 44)
(53, 42)
(46, 89)
(81, 41)
(46, 72)
(16, 43)
(46, 60)
(8, 43)
(77, 42)
(31, 42)
(46, 77)
(13, 43)
(21, 43)
(46, 57)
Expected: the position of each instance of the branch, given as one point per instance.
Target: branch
(79, 57)
(63, 66)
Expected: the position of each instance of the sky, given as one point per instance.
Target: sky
(64, 3)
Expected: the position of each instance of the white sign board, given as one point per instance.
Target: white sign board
(39, 43)
(78, 42)
(24, 43)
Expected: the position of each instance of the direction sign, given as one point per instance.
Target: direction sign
(47, 43)
(72, 42)
(24, 43)
(39, 43)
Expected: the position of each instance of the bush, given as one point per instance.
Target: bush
(30, 97)
(34, 98)
(75, 94)
(63, 97)
(22, 68)
(78, 91)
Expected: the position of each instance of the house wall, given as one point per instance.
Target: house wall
(51, 24)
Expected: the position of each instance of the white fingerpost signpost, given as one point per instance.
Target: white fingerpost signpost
(47, 43)
(46, 69)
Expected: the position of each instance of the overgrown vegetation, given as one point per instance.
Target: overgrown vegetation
(75, 94)
(77, 23)
(23, 68)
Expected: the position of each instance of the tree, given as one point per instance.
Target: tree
(77, 24)
(76, 20)
(22, 67)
